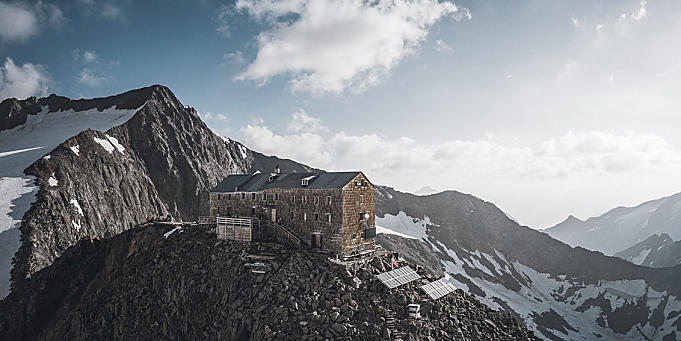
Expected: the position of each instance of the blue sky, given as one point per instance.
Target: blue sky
(546, 108)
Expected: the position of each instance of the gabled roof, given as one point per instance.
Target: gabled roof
(260, 181)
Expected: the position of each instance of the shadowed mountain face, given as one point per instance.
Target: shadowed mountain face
(658, 251)
(622, 227)
(559, 291)
(161, 161)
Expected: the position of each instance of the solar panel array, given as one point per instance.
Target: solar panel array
(438, 288)
(397, 277)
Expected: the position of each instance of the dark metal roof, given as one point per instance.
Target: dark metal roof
(260, 181)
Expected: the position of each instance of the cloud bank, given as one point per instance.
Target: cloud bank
(20, 20)
(583, 160)
(329, 46)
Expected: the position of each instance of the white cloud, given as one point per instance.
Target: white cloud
(20, 21)
(594, 152)
(107, 9)
(302, 123)
(23, 81)
(575, 21)
(210, 116)
(334, 45)
(89, 56)
(641, 13)
(88, 77)
(442, 46)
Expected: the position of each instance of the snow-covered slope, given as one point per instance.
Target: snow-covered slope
(24, 144)
(622, 227)
(659, 251)
(559, 291)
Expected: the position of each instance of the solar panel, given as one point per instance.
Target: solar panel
(397, 277)
(438, 288)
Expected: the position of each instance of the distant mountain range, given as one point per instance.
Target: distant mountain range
(622, 227)
(562, 293)
(657, 251)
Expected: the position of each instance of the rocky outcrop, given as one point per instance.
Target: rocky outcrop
(147, 283)
(162, 161)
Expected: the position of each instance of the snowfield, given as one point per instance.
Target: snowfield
(23, 145)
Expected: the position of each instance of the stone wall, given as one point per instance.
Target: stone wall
(358, 199)
(302, 210)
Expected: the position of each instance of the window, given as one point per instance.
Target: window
(264, 197)
(304, 199)
(304, 216)
(354, 235)
(361, 198)
(328, 217)
(243, 196)
(361, 216)
(292, 215)
(276, 196)
(294, 199)
(253, 210)
(316, 216)
(229, 197)
(253, 196)
(316, 200)
(328, 200)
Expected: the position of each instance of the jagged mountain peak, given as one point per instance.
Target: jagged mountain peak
(14, 112)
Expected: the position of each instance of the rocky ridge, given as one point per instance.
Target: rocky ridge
(160, 162)
(163, 281)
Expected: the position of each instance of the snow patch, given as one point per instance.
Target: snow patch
(75, 203)
(52, 181)
(167, 234)
(404, 224)
(76, 224)
(105, 144)
(640, 258)
(76, 150)
(46, 157)
(115, 143)
(380, 229)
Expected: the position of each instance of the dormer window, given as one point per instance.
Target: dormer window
(306, 181)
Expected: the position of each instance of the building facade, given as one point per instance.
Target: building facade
(335, 208)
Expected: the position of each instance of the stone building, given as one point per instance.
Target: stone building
(332, 210)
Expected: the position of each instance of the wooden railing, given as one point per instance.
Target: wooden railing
(286, 235)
